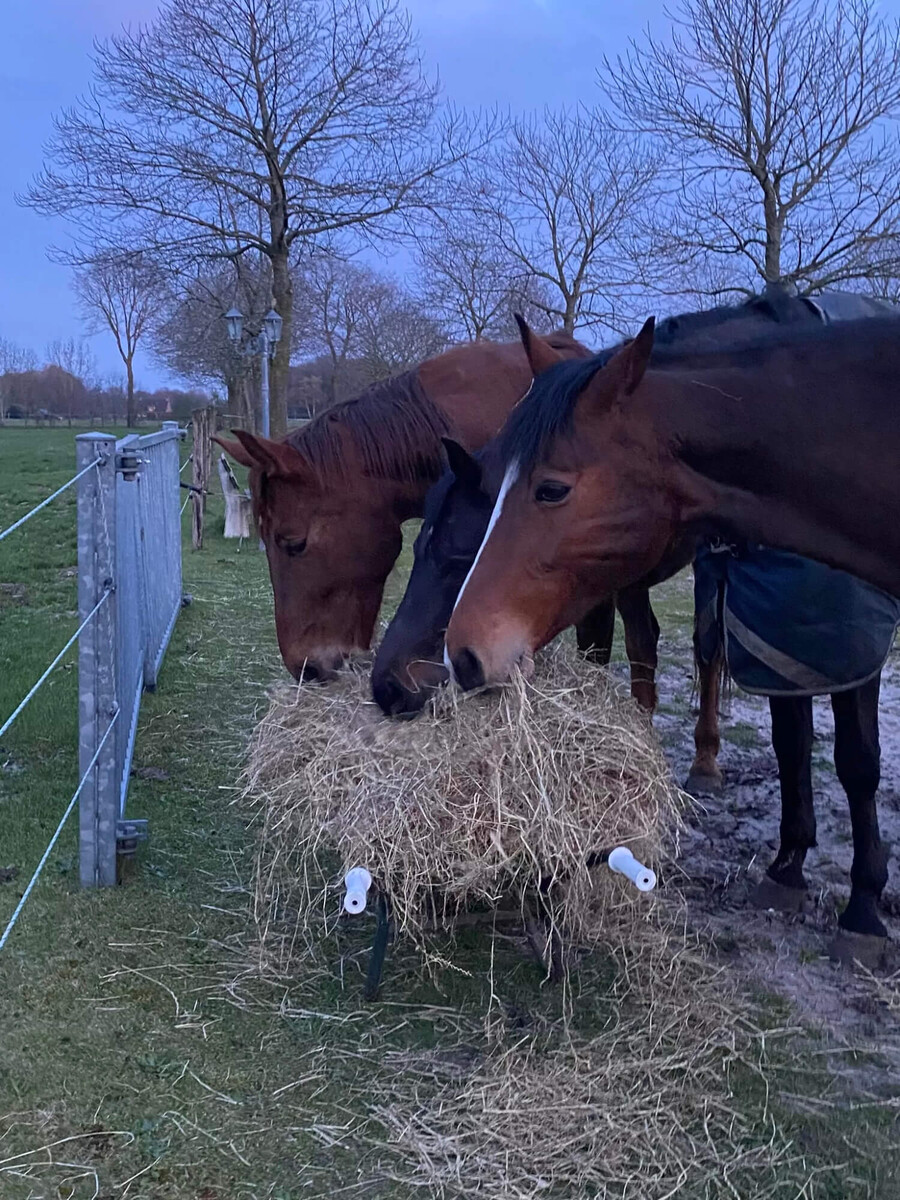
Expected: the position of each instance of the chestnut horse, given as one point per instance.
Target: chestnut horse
(331, 497)
(602, 469)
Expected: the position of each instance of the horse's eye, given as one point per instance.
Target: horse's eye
(551, 491)
(293, 548)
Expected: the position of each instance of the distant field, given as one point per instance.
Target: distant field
(140, 1055)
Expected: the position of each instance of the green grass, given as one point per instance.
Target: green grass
(132, 1020)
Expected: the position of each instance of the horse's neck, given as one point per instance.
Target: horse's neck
(789, 458)
(478, 394)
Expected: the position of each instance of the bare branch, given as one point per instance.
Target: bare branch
(776, 120)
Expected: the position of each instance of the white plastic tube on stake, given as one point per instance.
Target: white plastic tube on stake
(357, 881)
(623, 862)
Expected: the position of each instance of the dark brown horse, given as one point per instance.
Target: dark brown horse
(603, 468)
(787, 441)
(330, 498)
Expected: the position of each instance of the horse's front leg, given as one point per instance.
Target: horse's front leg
(594, 633)
(641, 642)
(705, 775)
(857, 759)
(792, 738)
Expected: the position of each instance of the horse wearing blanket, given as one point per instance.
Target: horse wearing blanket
(789, 628)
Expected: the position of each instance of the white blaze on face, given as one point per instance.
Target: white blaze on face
(512, 474)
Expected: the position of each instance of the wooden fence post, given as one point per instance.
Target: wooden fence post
(202, 421)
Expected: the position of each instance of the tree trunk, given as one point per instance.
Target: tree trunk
(569, 317)
(283, 296)
(239, 408)
(774, 229)
(131, 415)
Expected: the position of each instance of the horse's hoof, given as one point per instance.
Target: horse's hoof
(703, 785)
(770, 894)
(865, 948)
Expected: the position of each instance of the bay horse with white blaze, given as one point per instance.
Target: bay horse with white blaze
(602, 468)
(790, 441)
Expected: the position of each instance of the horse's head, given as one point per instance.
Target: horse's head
(408, 666)
(579, 515)
(330, 548)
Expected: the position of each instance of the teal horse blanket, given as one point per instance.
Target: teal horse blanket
(789, 626)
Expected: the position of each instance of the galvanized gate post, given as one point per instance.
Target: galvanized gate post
(97, 701)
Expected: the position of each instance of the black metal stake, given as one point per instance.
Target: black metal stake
(379, 945)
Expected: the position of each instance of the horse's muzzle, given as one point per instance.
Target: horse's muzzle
(467, 669)
(317, 671)
(395, 700)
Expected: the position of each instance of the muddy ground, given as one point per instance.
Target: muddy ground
(731, 839)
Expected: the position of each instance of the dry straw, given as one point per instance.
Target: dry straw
(479, 805)
(654, 1105)
(483, 803)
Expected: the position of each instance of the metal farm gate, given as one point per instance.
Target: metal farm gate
(129, 594)
(129, 550)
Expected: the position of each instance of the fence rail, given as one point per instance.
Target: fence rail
(129, 595)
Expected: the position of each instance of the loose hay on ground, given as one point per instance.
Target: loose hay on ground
(668, 1099)
(666, 1094)
(481, 803)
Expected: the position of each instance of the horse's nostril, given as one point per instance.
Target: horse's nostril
(305, 672)
(468, 670)
(393, 699)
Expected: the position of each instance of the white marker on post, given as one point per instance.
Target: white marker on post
(623, 862)
(357, 882)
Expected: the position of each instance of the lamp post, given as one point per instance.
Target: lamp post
(262, 343)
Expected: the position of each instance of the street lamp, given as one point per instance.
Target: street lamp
(262, 343)
(235, 321)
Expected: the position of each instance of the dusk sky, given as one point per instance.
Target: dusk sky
(521, 53)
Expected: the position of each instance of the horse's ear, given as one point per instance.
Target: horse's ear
(466, 468)
(639, 352)
(625, 370)
(275, 458)
(541, 355)
(235, 450)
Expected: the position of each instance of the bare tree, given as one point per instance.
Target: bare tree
(531, 298)
(236, 126)
(121, 292)
(562, 192)
(465, 274)
(14, 360)
(75, 357)
(335, 296)
(395, 333)
(364, 324)
(774, 116)
(191, 337)
(473, 288)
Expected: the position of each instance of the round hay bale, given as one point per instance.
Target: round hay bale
(491, 799)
